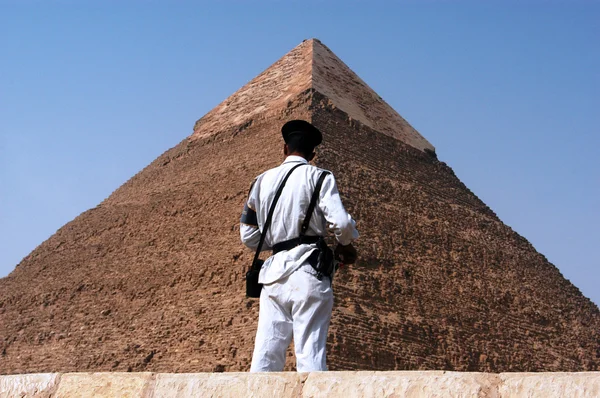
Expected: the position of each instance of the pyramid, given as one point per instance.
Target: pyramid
(152, 279)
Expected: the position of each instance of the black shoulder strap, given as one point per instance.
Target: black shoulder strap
(271, 211)
(313, 203)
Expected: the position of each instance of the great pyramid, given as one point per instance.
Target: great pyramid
(152, 278)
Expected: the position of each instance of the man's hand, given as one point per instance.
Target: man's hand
(345, 254)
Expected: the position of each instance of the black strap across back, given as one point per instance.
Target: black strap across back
(303, 238)
(289, 244)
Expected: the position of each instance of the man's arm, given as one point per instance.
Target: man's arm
(249, 231)
(338, 220)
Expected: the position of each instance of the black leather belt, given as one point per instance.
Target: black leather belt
(290, 244)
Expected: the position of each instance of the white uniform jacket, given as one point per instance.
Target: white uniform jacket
(289, 215)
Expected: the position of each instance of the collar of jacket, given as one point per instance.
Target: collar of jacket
(295, 159)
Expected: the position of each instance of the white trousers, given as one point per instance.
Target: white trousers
(300, 306)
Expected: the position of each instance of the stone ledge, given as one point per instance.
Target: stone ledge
(407, 384)
(29, 385)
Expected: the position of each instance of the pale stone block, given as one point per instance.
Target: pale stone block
(28, 385)
(400, 384)
(100, 385)
(550, 385)
(251, 385)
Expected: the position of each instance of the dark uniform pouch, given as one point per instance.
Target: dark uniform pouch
(253, 288)
(322, 260)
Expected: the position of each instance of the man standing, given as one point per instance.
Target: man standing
(296, 300)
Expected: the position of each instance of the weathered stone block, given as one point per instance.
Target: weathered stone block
(281, 385)
(100, 385)
(550, 385)
(400, 384)
(28, 385)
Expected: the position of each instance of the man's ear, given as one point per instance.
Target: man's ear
(286, 150)
(312, 156)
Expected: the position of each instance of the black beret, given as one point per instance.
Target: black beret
(302, 127)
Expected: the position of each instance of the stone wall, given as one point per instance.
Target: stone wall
(320, 384)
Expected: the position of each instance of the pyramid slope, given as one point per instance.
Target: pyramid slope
(152, 278)
(442, 283)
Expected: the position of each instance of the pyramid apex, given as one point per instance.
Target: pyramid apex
(310, 65)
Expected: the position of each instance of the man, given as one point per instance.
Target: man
(295, 300)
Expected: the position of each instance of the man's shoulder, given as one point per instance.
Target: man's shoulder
(318, 171)
(267, 173)
(321, 170)
(274, 170)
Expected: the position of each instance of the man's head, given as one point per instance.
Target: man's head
(300, 138)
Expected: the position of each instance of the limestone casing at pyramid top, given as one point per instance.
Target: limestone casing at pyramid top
(309, 65)
(335, 80)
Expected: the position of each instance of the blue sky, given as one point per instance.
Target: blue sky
(508, 92)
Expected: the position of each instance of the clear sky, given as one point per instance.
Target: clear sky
(507, 91)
